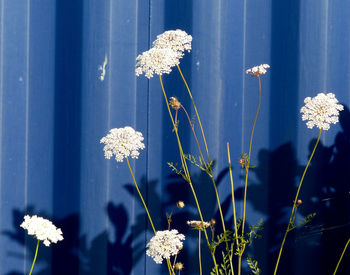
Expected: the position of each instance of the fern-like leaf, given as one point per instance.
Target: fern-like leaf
(253, 264)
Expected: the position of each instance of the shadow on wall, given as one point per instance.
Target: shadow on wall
(317, 246)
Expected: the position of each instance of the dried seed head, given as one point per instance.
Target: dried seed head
(175, 103)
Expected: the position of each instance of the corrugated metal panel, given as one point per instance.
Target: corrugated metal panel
(55, 107)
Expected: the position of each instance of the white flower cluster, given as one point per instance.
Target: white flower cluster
(168, 49)
(178, 40)
(165, 244)
(321, 110)
(198, 224)
(258, 70)
(122, 142)
(158, 61)
(43, 229)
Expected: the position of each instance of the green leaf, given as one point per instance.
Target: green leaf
(253, 264)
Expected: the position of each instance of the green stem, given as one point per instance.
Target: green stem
(195, 109)
(195, 136)
(246, 177)
(233, 204)
(36, 254)
(206, 148)
(199, 252)
(138, 191)
(187, 174)
(232, 192)
(341, 257)
(295, 203)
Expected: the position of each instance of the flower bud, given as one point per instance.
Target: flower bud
(175, 103)
(180, 204)
(299, 202)
(212, 222)
(179, 266)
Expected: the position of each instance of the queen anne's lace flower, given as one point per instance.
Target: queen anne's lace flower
(122, 142)
(178, 40)
(165, 244)
(198, 224)
(258, 70)
(156, 61)
(43, 229)
(321, 110)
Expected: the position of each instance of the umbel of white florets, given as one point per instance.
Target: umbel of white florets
(179, 41)
(165, 244)
(122, 142)
(156, 61)
(42, 229)
(321, 111)
(258, 70)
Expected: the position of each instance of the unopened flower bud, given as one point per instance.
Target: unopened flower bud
(179, 266)
(180, 204)
(212, 222)
(175, 103)
(299, 202)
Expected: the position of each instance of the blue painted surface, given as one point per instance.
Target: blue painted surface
(54, 108)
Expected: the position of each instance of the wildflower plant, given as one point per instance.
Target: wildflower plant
(165, 54)
(43, 230)
(165, 244)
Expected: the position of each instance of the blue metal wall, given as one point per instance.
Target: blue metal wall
(54, 109)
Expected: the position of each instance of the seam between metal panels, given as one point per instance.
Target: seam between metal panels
(1, 91)
(27, 115)
(109, 104)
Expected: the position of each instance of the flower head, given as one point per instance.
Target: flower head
(198, 224)
(321, 110)
(178, 40)
(43, 229)
(174, 103)
(156, 61)
(180, 204)
(122, 142)
(179, 266)
(258, 70)
(165, 244)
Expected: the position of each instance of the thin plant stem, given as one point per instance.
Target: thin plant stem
(195, 109)
(341, 257)
(195, 136)
(206, 149)
(36, 254)
(187, 175)
(295, 203)
(233, 203)
(199, 252)
(232, 191)
(138, 191)
(171, 271)
(247, 166)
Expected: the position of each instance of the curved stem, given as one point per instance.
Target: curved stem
(232, 192)
(187, 174)
(195, 109)
(36, 254)
(295, 203)
(341, 257)
(195, 136)
(249, 155)
(206, 149)
(247, 166)
(138, 191)
(199, 252)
